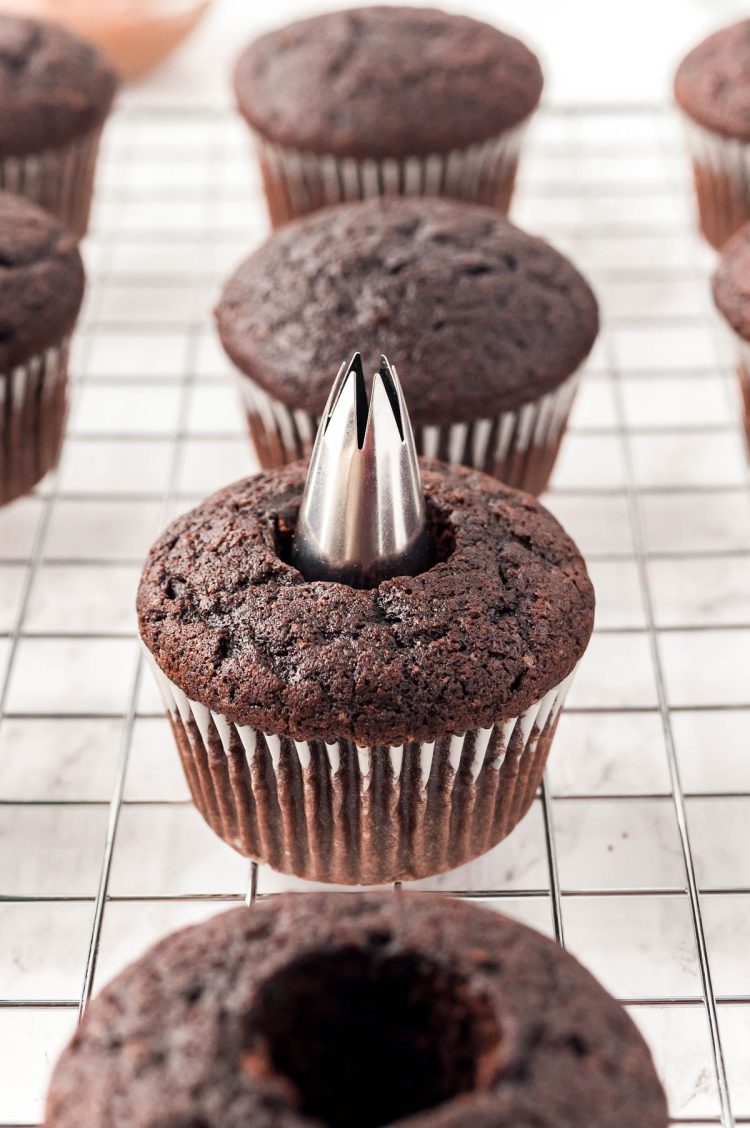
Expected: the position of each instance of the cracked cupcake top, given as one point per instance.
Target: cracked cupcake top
(41, 280)
(54, 87)
(386, 82)
(501, 618)
(477, 316)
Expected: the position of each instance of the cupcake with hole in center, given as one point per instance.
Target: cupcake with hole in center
(370, 1010)
(367, 726)
(41, 290)
(386, 101)
(490, 326)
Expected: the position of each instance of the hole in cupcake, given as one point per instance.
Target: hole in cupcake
(440, 532)
(363, 1037)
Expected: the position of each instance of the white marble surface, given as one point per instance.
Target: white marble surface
(58, 759)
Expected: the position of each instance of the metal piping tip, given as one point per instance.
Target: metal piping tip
(362, 518)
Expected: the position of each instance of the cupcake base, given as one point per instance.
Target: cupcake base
(297, 183)
(33, 409)
(336, 812)
(721, 174)
(60, 180)
(519, 447)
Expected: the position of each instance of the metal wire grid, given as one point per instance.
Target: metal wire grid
(633, 853)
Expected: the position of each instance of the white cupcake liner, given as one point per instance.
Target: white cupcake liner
(33, 407)
(298, 182)
(60, 180)
(338, 812)
(721, 172)
(519, 447)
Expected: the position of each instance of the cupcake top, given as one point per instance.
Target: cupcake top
(54, 87)
(731, 282)
(254, 1017)
(479, 316)
(386, 82)
(712, 83)
(41, 280)
(500, 619)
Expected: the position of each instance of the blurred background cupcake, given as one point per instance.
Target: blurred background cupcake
(386, 101)
(712, 88)
(41, 289)
(731, 290)
(56, 91)
(490, 325)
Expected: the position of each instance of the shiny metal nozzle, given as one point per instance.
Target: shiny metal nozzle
(362, 518)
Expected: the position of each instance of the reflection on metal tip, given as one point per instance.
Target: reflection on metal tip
(362, 517)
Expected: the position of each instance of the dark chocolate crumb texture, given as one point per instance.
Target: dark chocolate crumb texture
(502, 617)
(341, 1010)
(479, 316)
(386, 82)
(54, 87)
(41, 281)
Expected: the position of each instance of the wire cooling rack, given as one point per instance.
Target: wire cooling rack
(636, 854)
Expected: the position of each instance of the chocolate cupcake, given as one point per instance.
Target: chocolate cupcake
(490, 326)
(364, 736)
(731, 290)
(367, 1010)
(41, 289)
(712, 88)
(55, 91)
(386, 101)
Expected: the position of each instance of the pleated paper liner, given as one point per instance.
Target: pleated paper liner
(721, 173)
(519, 447)
(33, 408)
(297, 183)
(59, 180)
(337, 812)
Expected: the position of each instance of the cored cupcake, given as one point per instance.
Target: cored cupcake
(340, 1010)
(56, 91)
(386, 101)
(490, 327)
(731, 290)
(364, 736)
(712, 88)
(41, 290)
